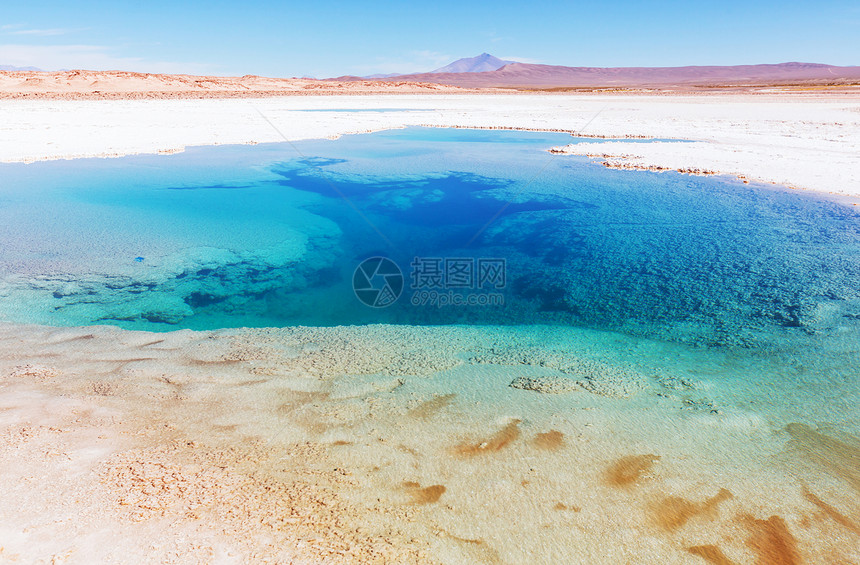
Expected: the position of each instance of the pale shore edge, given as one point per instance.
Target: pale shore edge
(802, 143)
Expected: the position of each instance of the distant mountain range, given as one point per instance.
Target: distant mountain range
(486, 71)
(12, 68)
(480, 64)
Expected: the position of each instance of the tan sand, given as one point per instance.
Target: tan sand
(389, 445)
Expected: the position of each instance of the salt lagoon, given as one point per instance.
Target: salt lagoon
(669, 372)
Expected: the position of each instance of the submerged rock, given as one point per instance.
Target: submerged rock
(597, 377)
(545, 384)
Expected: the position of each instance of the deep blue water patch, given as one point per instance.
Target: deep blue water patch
(256, 236)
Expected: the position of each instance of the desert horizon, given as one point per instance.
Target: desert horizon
(511, 76)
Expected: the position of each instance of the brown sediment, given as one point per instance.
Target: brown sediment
(300, 407)
(429, 408)
(297, 398)
(488, 554)
(467, 540)
(831, 512)
(102, 388)
(711, 554)
(771, 541)
(252, 382)
(80, 338)
(133, 360)
(426, 495)
(37, 372)
(499, 441)
(207, 363)
(839, 458)
(407, 449)
(673, 512)
(627, 470)
(341, 442)
(562, 506)
(552, 439)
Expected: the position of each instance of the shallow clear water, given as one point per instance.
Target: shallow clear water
(273, 234)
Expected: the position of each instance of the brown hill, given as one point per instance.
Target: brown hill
(523, 75)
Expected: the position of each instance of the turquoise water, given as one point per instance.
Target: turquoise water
(273, 234)
(710, 323)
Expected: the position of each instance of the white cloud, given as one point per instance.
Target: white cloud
(89, 57)
(43, 32)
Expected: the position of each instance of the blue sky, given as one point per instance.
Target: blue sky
(331, 38)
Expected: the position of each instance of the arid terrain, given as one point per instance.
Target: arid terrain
(80, 84)
(514, 77)
(525, 76)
